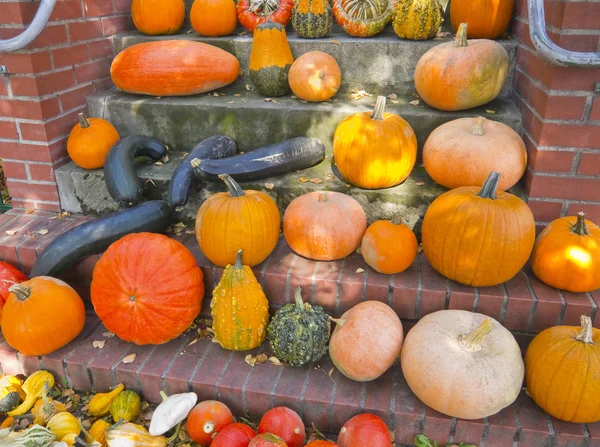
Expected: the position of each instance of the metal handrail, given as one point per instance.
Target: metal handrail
(32, 31)
(548, 49)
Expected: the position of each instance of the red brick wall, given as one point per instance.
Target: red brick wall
(46, 87)
(561, 113)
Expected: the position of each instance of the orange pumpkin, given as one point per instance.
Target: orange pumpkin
(375, 150)
(315, 76)
(237, 220)
(487, 19)
(324, 226)
(154, 17)
(173, 68)
(566, 255)
(206, 420)
(90, 140)
(463, 74)
(478, 237)
(389, 246)
(463, 152)
(213, 18)
(365, 430)
(562, 368)
(137, 279)
(42, 315)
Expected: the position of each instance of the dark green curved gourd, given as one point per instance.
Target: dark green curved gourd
(312, 19)
(299, 332)
(9, 399)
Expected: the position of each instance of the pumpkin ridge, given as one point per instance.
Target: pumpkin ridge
(446, 230)
(554, 374)
(464, 229)
(583, 387)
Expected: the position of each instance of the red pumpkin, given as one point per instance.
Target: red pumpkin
(365, 430)
(234, 435)
(285, 423)
(322, 444)
(267, 440)
(9, 275)
(147, 288)
(206, 420)
(252, 13)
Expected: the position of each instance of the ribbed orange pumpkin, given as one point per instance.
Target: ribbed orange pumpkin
(42, 315)
(90, 140)
(324, 226)
(562, 368)
(463, 74)
(154, 17)
(315, 76)
(478, 237)
(147, 288)
(213, 18)
(375, 150)
(487, 19)
(566, 254)
(237, 220)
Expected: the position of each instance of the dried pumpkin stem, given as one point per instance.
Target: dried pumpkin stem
(234, 188)
(323, 197)
(83, 121)
(472, 342)
(21, 292)
(337, 321)
(580, 226)
(379, 108)
(397, 219)
(238, 261)
(586, 334)
(298, 299)
(488, 190)
(477, 129)
(461, 36)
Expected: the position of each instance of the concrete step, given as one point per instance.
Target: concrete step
(382, 64)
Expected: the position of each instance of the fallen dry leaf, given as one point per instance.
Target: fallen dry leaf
(150, 181)
(335, 42)
(270, 100)
(359, 270)
(359, 94)
(258, 360)
(303, 101)
(269, 185)
(44, 231)
(248, 87)
(230, 102)
(28, 211)
(11, 232)
(395, 101)
(316, 180)
(330, 373)
(392, 96)
(359, 250)
(443, 34)
(304, 180)
(329, 177)
(491, 112)
(189, 231)
(275, 361)
(158, 163)
(416, 102)
(108, 334)
(419, 248)
(129, 358)
(214, 340)
(99, 344)
(193, 342)
(180, 225)
(237, 95)
(419, 183)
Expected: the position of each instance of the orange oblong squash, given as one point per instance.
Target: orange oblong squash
(173, 68)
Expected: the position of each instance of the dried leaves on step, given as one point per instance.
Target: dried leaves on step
(98, 344)
(269, 185)
(11, 232)
(358, 94)
(258, 360)
(416, 102)
(359, 270)
(129, 358)
(275, 361)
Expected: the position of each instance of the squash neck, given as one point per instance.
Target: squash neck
(580, 228)
(379, 108)
(238, 261)
(234, 188)
(489, 188)
(477, 129)
(472, 342)
(461, 36)
(586, 334)
(20, 291)
(323, 197)
(298, 299)
(83, 121)
(397, 219)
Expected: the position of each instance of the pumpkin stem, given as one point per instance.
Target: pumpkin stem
(175, 435)
(397, 219)
(321, 75)
(234, 188)
(298, 299)
(461, 36)
(472, 342)
(323, 197)
(477, 129)
(238, 261)
(379, 108)
(83, 121)
(488, 190)
(337, 321)
(586, 330)
(580, 228)
(20, 291)
(163, 395)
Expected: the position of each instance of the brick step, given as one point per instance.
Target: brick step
(327, 401)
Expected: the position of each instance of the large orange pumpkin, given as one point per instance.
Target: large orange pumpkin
(324, 226)
(562, 367)
(375, 150)
(478, 237)
(463, 152)
(173, 68)
(213, 18)
(237, 220)
(566, 255)
(42, 315)
(487, 19)
(90, 140)
(315, 76)
(463, 74)
(147, 288)
(154, 17)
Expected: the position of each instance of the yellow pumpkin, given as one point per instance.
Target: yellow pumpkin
(90, 140)
(100, 404)
(97, 432)
(132, 435)
(63, 424)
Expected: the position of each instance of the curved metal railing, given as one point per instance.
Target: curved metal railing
(32, 31)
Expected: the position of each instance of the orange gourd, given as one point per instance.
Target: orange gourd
(375, 150)
(42, 315)
(320, 443)
(363, 18)
(487, 19)
(137, 279)
(9, 276)
(365, 430)
(214, 18)
(173, 68)
(562, 367)
(389, 246)
(206, 420)
(90, 140)
(237, 220)
(252, 13)
(285, 423)
(315, 76)
(463, 74)
(154, 17)
(477, 236)
(463, 152)
(566, 255)
(324, 226)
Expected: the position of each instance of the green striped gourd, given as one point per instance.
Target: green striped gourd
(312, 19)
(36, 436)
(417, 19)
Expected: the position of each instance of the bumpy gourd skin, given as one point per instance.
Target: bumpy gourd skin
(417, 19)
(312, 19)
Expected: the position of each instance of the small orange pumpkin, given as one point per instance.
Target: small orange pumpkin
(315, 76)
(206, 420)
(42, 315)
(90, 140)
(389, 246)
(156, 17)
(487, 19)
(214, 18)
(566, 255)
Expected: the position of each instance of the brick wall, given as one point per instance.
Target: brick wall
(561, 113)
(46, 87)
